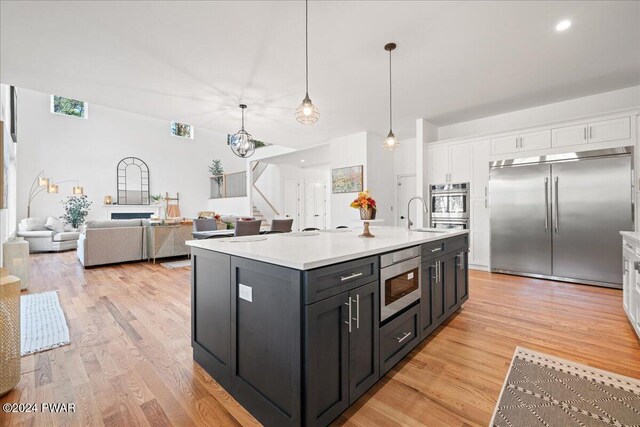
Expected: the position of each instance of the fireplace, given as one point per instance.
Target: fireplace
(131, 215)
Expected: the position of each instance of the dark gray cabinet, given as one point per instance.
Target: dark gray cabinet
(445, 283)
(341, 352)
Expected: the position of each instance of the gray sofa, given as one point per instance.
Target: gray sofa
(112, 241)
(41, 238)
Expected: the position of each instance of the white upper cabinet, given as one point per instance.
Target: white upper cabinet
(504, 144)
(535, 140)
(588, 133)
(438, 164)
(570, 135)
(610, 130)
(460, 163)
(449, 163)
(480, 180)
(523, 142)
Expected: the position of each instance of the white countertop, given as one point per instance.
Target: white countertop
(326, 248)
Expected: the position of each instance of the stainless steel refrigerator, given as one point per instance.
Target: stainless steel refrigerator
(559, 217)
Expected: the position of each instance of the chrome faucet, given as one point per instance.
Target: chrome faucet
(424, 209)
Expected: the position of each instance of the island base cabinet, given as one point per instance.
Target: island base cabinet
(211, 305)
(341, 352)
(398, 338)
(266, 341)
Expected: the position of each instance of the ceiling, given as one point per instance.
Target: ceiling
(194, 62)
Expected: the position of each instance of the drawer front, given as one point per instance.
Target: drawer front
(433, 249)
(325, 282)
(398, 338)
(459, 243)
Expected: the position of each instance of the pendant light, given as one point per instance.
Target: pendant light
(242, 143)
(390, 142)
(307, 113)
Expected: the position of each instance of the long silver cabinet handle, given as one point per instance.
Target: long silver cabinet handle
(404, 337)
(585, 133)
(348, 322)
(628, 246)
(353, 276)
(546, 204)
(461, 260)
(357, 311)
(555, 208)
(436, 250)
(590, 132)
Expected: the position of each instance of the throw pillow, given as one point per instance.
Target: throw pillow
(54, 224)
(34, 224)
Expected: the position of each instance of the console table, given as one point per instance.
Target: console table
(168, 240)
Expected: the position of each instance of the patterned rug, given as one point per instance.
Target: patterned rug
(42, 323)
(543, 390)
(177, 264)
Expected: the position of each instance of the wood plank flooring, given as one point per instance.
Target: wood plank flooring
(130, 359)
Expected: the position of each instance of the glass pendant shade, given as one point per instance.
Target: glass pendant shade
(78, 189)
(242, 143)
(391, 142)
(52, 188)
(307, 113)
(43, 182)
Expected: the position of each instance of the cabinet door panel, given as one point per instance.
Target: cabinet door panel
(427, 321)
(462, 278)
(438, 164)
(460, 163)
(438, 307)
(364, 348)
(504, 144)
(610, 130)
(535, 140)
(479, 214)
(569, 135)
(327, 359)
(480, 181)
(450, 285)
(479, 254)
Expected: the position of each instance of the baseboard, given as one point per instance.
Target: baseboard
(478, 267)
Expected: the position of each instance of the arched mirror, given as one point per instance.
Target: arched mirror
(133, 182)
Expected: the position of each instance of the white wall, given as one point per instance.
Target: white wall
(381, 178)
(566, 110)
(89, 150)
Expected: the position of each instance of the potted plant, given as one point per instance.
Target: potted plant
(366, 204)
(156, 198)
(217, 172)
(76, 209)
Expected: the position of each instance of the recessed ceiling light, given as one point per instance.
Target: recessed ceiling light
(302, 160)
(563, 25)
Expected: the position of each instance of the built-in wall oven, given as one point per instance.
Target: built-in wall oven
(399, 280)
(450, 206)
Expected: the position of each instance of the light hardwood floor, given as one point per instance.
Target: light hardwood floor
(130, 361)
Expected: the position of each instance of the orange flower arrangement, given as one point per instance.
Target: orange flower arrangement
(364, 201)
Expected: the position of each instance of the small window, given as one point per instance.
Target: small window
(182, 130)
(68, 106)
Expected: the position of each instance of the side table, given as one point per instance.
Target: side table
(15, 258)
(9, 332)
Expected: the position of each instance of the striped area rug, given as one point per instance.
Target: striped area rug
(42, 323)
(543, 390)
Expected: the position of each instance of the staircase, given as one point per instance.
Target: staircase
(257, 214)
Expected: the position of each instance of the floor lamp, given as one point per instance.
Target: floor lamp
(41, 183)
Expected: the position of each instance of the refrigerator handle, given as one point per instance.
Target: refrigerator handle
(546, 204)
(555, 207)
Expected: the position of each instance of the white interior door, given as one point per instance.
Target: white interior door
(406, 190)
(292, 201)
(315, 201)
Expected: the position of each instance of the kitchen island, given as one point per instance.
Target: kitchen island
(297, 327)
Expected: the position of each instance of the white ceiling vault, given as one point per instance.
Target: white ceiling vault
(194, 62)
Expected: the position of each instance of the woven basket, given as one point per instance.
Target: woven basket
(9, 333)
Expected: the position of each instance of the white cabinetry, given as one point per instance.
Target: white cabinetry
(590, 133)
(449, 163)
(631, 281)
(480, 161)
(528, 141)
(479, 233)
